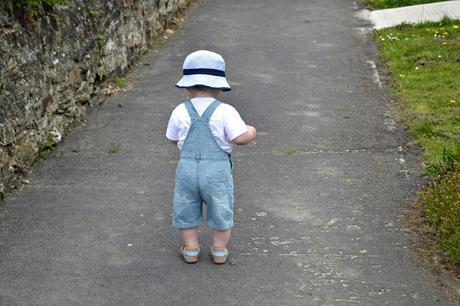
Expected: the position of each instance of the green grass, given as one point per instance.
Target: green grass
(382, 4)
(424, 61)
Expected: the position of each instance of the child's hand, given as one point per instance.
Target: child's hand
(246, 137)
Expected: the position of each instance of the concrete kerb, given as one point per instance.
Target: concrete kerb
(415, 14)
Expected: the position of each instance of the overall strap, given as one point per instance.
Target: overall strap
(191, 110)
(210, 110)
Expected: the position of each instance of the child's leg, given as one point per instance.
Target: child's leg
(190, 237)
(220, 238)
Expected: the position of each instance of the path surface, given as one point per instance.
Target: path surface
(319, 196)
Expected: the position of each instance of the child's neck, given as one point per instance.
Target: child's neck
(202, 96)
(203, 93)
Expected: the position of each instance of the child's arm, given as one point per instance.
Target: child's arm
(171, 130)
(246, 137)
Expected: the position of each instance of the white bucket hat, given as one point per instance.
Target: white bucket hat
(204, 68)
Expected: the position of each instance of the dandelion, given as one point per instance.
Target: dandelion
(453, 101)
(456, 27)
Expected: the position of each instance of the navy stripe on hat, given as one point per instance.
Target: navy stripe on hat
(204, 71)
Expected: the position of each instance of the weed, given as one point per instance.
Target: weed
(441, 165)
(442, 209)
(302, 289)
(292, 151)
(120, 82)
(46, 148)
(114, 149)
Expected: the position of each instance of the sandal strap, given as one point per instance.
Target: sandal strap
(187, 252)
(219, 253)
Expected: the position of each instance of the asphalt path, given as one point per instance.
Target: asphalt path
(320, 196)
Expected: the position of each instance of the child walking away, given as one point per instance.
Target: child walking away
(204, 130)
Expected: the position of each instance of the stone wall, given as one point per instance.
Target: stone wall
(52, 67)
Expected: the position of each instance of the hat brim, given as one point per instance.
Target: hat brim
(211, 81)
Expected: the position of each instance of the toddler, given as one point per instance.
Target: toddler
(204, 130)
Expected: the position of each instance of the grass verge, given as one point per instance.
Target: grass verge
(383, 4)
(442, 208)
(424, 61)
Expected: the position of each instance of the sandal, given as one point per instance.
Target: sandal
(190, 255)
(219, 257)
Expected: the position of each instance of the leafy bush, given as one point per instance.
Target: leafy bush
(442, 209)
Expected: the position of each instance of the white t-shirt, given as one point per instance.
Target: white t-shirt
(225, 123)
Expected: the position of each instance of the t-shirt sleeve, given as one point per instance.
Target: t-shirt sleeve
(233, 124)
(172, 132)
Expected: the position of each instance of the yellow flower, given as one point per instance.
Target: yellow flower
(445, 33)
(444, 42)
(453, 101)
(455, 26)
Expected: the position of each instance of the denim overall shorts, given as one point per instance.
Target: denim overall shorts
(203, 175)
